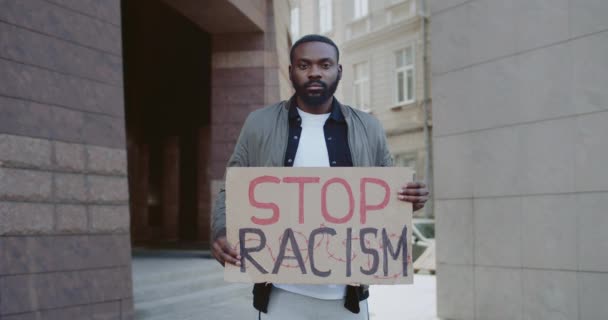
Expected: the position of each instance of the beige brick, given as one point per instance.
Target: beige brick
(107, 189)
(539, 23)
(109, 218)
(455, 281)
(23, 184)
(69, 156)
(24, 151)
(591, 152)
(498, 231)
(498, 162)
(70, 187)
(588, 16)
(25, 218)
(548, 157)
(548, 233)
(454, 224)
(452, 94)
(592, 295)
(495, 98)
(589, 76)
(106, 160)
(592, 236)
(71, 218)
(550, 294)
(451, 39)
(542, 99)
(504, 303)
(453, 166)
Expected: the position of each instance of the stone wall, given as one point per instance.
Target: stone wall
(521, 114)
(64, 217)
(249, 71)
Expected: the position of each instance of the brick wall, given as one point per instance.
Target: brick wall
(248, 72)
(64, 217)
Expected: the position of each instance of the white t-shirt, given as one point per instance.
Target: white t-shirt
(312, 152)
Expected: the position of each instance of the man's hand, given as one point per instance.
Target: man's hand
(222, 252)
(416, 193)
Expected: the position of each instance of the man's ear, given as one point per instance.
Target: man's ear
(339, 72)
(290, 73)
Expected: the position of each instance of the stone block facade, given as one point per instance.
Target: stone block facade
(64, 218)
(520, 111)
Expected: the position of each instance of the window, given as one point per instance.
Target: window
(295, 24)
(404, 62)
(325, 15)
(361, 86)
(361, 7)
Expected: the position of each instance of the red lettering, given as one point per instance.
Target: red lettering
(301, 181)
(364, 207)
(351, 201)
(263, 205)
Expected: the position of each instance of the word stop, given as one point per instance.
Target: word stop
(302, 182)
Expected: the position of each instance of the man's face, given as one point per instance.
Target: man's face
(314, 72)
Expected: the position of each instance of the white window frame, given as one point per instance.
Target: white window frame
(325, 16)
(404, 70)
(361, 8)
(361, 86)
(294, 27)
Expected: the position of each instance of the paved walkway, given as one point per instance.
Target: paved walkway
(189, 285)
(405, 302)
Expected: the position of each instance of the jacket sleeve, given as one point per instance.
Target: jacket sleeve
(239, 158)
(383, 154)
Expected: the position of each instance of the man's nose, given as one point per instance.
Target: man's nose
(314, 72)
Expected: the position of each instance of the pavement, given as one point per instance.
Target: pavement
(405, 302)
(189, 285)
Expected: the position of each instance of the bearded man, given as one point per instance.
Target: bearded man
(291, 134)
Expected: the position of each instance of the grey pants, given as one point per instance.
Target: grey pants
(292, 306)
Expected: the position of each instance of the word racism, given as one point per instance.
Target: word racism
(319, 225)
(288, 237)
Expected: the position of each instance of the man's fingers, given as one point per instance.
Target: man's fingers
(230, 259)
(414, 199)
(229, 250)
(414, 192)
(415, 185)
(216, 252)
(224, 253)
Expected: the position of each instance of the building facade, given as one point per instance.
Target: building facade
(116, 121)
(384, 54)
(521, 118)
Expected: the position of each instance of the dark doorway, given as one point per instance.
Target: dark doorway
(167, 61)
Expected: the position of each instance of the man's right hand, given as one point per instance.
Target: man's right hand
(222, 252)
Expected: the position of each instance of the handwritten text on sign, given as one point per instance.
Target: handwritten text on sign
(319, 225)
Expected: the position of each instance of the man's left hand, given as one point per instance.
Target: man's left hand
(416, 193)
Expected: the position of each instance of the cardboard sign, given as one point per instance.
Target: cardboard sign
(319, 225)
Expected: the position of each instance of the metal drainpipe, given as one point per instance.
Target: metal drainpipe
(425, 108)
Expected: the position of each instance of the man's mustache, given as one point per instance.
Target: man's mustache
(316, 82)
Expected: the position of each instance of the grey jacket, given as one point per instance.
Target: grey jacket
(263, 143)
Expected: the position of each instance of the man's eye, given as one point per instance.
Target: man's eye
(302, 66)
(326, 66)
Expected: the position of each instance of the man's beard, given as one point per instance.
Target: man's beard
(315, 100)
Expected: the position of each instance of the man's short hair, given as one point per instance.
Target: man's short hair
(314, 38)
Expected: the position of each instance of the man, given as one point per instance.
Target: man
(291, 134)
